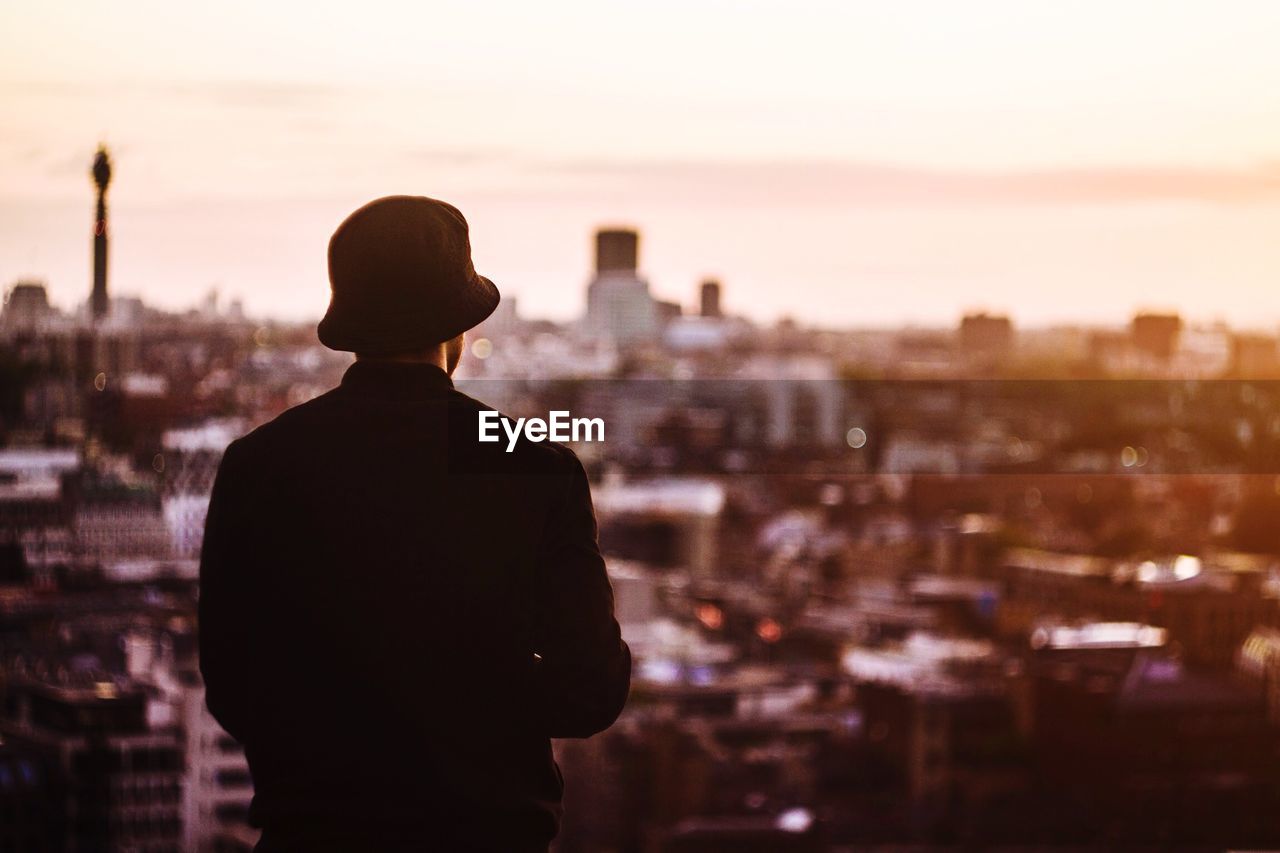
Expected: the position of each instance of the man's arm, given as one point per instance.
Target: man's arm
(585, 672)
(224, 600)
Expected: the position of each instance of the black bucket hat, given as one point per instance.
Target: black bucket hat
(401, 278)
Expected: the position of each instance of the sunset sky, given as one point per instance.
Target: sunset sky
(845, 163)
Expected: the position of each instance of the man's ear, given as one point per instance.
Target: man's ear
(453, 353)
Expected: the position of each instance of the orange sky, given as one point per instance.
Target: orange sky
(843, 162)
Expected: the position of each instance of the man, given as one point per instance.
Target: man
(395, 617)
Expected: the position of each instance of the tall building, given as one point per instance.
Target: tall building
(26, 308)
(124, 788)
(619, 305)
(709, 299)
(1156, 334)
(99, 303)
(617, 250)
(217, 787)
(985, 335)
(1255, 355)
(190, 460)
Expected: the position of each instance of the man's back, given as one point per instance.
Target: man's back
(396, 617)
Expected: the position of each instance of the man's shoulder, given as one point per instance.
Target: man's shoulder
(285, 428)
(295, 427)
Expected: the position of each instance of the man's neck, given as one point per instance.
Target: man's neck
(434, 357)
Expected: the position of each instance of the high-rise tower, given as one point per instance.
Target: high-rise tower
(98, 302)
(619, 306)
(709, 299)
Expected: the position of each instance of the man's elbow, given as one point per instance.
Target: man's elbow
(222, 696)
(598, 705)
(225, 712)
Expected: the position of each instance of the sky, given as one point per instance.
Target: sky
(843, 163)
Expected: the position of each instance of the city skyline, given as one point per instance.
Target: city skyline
(876, 444)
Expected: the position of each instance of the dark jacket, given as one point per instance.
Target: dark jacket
(395, 617)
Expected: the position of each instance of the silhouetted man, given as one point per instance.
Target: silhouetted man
(395, 617)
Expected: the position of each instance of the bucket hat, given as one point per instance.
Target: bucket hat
(401, 278)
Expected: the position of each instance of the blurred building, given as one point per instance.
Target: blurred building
(1255, 355)
(1123, 731)
(37, 505)
(709, 299)
(730, 758)
(666, 523)
(697, 334)
(188, 463)
(1208, 608)
(1156, 334)
(31, 791)
(803, 401)
(986, 337)
(27, 309)
(124, 781)
(217, 787)
(118, 522)
(1259, 663)
(923, 353)
(619, 305)
(956, 754)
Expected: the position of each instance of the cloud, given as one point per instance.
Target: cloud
(256, 94)
(462, 156)
(822, 183)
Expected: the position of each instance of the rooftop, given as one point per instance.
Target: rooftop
(673, 495)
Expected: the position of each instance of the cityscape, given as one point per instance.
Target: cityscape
(886, 589)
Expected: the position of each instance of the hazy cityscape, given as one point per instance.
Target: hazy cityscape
(981, 585)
